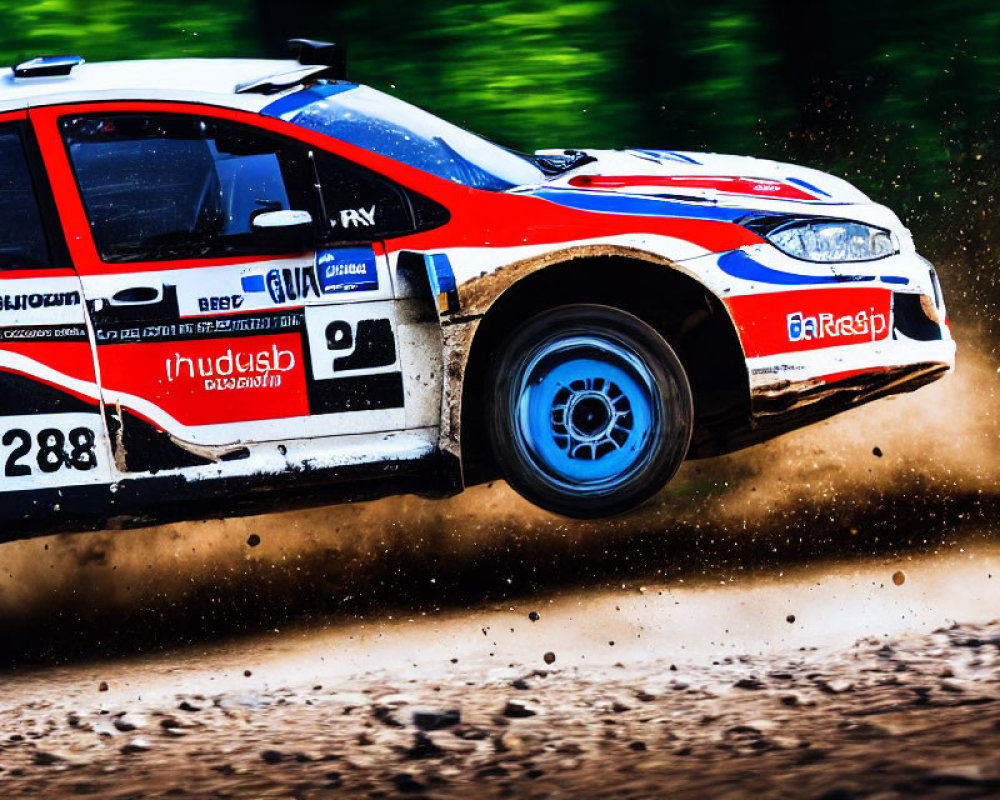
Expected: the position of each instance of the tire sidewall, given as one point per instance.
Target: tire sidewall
(673, 398)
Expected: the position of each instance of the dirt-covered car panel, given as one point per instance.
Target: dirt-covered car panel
(244, 288)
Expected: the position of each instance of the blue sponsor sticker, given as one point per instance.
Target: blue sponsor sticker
(253, 283)
(346, 269)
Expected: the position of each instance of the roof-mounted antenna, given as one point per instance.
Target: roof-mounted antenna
(47, 66)
(309, 52)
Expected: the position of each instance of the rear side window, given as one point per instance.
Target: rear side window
(171, 186)
(22, 236)
(360, 205)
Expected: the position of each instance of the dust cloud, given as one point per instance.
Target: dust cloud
(899, 473)
(941, 440)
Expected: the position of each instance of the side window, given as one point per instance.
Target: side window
(172, 186)
(22, 236)
(361, 205)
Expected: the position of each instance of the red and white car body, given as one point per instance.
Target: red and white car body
(148, 376)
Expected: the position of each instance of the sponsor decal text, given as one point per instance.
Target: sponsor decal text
(233, 369)
(830, 326)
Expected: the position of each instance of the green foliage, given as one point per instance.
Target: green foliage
(900, 98)
(103, 30)
(526, 74)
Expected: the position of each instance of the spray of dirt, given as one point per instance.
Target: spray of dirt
(900, 460)
(942, 439)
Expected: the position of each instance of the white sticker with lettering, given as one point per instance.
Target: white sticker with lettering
(355, 218)
(352, 339)
(41, 451)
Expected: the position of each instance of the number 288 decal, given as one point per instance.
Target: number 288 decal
(45, 450)
(52, 451)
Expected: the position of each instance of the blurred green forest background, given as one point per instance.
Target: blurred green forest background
(902, 99)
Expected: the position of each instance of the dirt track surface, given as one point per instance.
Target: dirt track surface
(685, 689)
(795, 587)
(908, 717)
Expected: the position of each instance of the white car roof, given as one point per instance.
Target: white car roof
(206, 80)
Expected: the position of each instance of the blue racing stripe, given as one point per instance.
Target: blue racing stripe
(291, 103)
(809, 186)
(740, 265)
(666, 154)
(613, 203)
(683, 157)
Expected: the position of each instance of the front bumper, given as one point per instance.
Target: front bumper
(817, 343)
(780, 384)
(785, 408)
(804, 325)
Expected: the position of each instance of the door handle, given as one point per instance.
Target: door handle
(137, 295)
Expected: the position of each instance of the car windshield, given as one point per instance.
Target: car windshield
(387, 126)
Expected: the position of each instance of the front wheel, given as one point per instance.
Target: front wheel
(590, 411)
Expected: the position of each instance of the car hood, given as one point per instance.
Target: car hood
(737, 181)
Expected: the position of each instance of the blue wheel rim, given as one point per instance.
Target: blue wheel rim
(587, 413)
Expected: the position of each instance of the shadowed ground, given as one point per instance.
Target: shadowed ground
(765, 625)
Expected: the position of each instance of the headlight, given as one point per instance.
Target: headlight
(826, 241)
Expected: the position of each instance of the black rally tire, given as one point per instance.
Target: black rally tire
(589, 411)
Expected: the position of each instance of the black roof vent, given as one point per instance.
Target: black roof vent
(47, 66)
(309, 52)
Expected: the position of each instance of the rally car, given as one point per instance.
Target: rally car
(234, 285)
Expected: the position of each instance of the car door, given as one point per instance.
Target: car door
(210, 336)
(51, 431)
